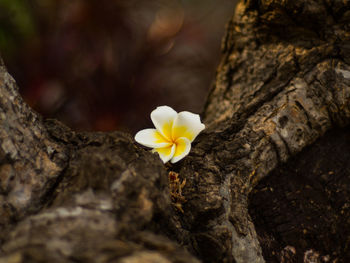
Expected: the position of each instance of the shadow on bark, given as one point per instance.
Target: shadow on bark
(273, 147)
(303, 207)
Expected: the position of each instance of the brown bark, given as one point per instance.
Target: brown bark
(283, 82)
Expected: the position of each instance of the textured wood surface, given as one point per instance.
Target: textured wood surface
(281, 93)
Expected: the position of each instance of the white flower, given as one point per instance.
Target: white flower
(173, 134)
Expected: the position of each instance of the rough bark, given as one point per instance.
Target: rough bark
(283, 82)
(302, 208)
(30, 161)
(101, 198)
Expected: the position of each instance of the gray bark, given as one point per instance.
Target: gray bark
(283, 82)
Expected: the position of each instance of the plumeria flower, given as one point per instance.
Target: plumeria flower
(173, 134)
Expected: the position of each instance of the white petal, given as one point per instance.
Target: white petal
(151, 138)
(187, 125)
(166, 153)
(183, 147)
(163, 118)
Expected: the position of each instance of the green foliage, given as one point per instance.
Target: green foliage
(16, 24)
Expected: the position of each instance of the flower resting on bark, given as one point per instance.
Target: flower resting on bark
(173, 134)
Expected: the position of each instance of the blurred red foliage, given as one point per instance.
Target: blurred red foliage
(104, 65)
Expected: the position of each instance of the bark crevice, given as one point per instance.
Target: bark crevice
(281, 92)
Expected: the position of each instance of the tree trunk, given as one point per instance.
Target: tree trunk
(267, 180)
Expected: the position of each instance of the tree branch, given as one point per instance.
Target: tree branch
(281, 85)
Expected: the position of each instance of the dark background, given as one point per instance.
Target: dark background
(106, 64)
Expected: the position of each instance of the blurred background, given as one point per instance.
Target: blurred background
(105, 65)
